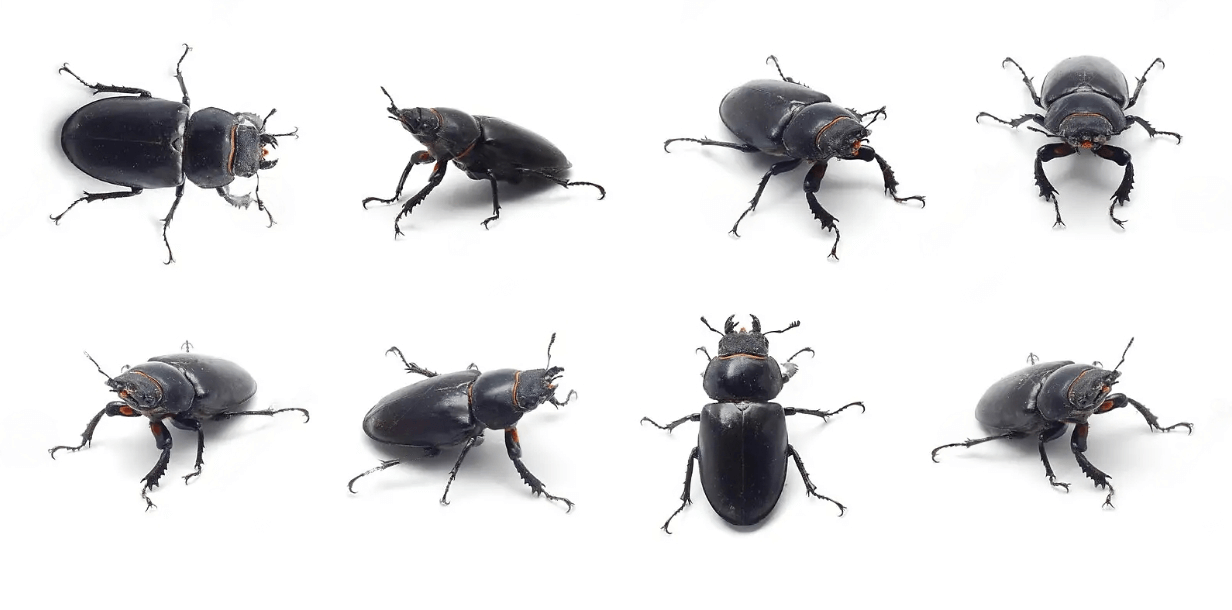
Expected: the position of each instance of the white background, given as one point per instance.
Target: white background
(925, 310)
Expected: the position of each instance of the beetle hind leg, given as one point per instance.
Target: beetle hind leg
(428, 452)
(495, 202)
(1133, 99)
(808, 483)
(748, 148)
(99, 88)
(685, 497)
(88, 197)
(269, 412)
(557, 180)
(971, 442)
(1025, 79)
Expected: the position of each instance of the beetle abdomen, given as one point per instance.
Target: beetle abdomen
(742, 455)
(221, 385)
(431, 413)
(128, 141)
(742, 377)
(1009, 404)
(519, 146)
(758, 111)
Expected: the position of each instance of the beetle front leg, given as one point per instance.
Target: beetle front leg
(824, 415)
(1151, 131)
(1048, 152)
(672, 426)
(1121, 157)
(112, 409)
(179, 193)
(748, 148)
(438, 174)
(1078, 444)
(162, 439)
(104, 88)
(88, 197)
(514, 448)
(685, 498)
(1119, 400)
(971, 442)
(808, 483)
(812, 182)
(418, 158)
(777, 168)
(887, 175)
(1052, 432)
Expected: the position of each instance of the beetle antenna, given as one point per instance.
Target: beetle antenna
(1131, 342)
(100, 369)
(710, 327)
(756, 323)
(550, 342)
(789, 327)
(393, 106)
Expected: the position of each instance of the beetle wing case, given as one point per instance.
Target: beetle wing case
(1085, 73)
(230, 387)
(431, 413)
(136, 142)
(520, 146)
(1010, 403)
(742, 453)
(748, 109)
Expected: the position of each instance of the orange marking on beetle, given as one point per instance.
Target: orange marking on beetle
(126, 411)
(1087, 144)
(1061, 149)
(468, 149)
(513, 433)
(152, 380)
(730, 356)
(1106, 407)
(1069, 392)
(231, 159)
(517, 378)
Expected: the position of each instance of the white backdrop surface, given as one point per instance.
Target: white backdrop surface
(924, 311)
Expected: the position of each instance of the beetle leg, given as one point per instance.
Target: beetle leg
(1052, 432)
(808, 483)
(495, 202)
(1151, 131)
(428, 452)
(812, 182)
(824, 415)
(1133, 99)
(878, 113)
(1015, 122)
(514, 448)
(179, 192)
(162, 439)
(672, 426)
(562, 181)
(112, 409)
(105, 88)
(777, 168)
(748, 148)
(270, 412)
(685, 498)
(418, 158)
(787, 79)
(470, 442)
(411, 367)
(1049, 152)
(887, 175)
(88, 197)
(971, 442)
(1078, 443)
(195, 426)
(179, 76)
(1151, 420)
(1121, 157)
(438, 174)
(1025, 79)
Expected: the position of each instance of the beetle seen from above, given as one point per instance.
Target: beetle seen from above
(1043, 399)
(143, 142)
(457, 408)
(186, 389)
(1084, 100)
(785, 118)
(742, 446)
(486, 148)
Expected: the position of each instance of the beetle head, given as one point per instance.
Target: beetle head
(139, 392)
(421, 122)
(253, 144)
(744, 341)
(537, 386)
(1087, 130)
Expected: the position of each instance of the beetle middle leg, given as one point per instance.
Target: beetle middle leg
(1052, 432)
(88, 197)
(808, 483)
(162, 439)
(466, 447)
(812, 182)
(1078, 444)
(1048, 152)
(696, 417)
(495, 202)
(887, 175)
(179, 193)
(685, 498)
(1014, 122)
(514, 448)
(1151, 131)
(428, 452)
(1121, 157)
(557, 180)
(777, 168)
(824, 415)
(971, 442)
(418, 158)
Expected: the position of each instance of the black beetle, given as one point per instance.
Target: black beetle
(787, 119)
(1084, 101)
(742, 444)
(144, 142)
(486, 148)
(185, 389)
(457, 408)
(1044, 398)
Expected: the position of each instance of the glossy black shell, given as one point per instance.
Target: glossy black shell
(128, 141)
(1020, 402)
(212, 139)
(227, 386)
(434, 412)
(742, 377)
(758, 111)
(506, 146)
(742, 455)
(1085, 73)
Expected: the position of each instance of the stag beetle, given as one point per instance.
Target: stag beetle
(742, 444)
(788, 119)
(1044, 398)
(1084, 101)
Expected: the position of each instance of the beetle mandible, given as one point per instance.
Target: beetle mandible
(1044, 398)
(186, 389)
(457, 408)
(742, 446)
(788, 119)
(1084, 100)
(144, 142)
(486, 148)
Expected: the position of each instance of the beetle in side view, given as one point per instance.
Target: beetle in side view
(1084, 100)
(742, 446)
(142, 142)
(486, 148)
(186, 389)
(788, 119)
(1044, 398)
(457, 408)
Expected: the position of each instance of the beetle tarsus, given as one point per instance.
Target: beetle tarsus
(696, 417)
(685, 498)
(808, 483)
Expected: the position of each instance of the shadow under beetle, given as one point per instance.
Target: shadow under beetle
(1044, 398)
(742, 446)
(486, 148)
(788, 119)
(457, 408)
(1084, 101)
(185, 389)
(144, 142)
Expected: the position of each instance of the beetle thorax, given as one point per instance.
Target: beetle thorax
(822, 131)
(154, 388)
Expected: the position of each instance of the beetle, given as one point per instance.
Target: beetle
(485, 147)
(1084, 100)
(1043, 399)
(457, 408)
(784, 118)
(186, 389)
(742, 446)
(143, 142)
